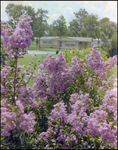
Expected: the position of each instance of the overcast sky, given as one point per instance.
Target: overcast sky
(67, 8)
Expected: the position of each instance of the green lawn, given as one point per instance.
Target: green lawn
(28, 59)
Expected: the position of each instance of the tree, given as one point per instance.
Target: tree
(113, 29)
(28, 10)
(113, 42)
(40, 22)
(81, 16)
(39, 18)
(74, 28)
(50, 31)
(14, 12)
(83, 32)
(60, 27)
(90, 24)
(105, 26)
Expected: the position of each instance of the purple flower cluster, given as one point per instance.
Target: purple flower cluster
(58, 113)
(53, 76)
(77, 65)
(11, 118)
(5, 71)
(97, 64)
(54, 65)
(27, 122)
(111, 62)
(108, 66)
(56, 127)
(94, 60)
(15, 41)
(97, 123)
(28, 96)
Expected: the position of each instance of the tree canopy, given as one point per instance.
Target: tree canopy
(85, 24)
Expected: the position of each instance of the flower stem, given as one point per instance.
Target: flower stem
(15, 80)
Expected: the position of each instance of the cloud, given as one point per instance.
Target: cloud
(111, 11)
(67, 8)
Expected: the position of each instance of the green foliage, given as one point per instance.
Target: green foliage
(111, 46)
(40, 23)
(15, 11)
(113, 43)
(69, 54)
(59, 26)
(90, 24)
(81, 16)
(3, 53)
(85, 24)
(5, 57)
(73, 28)
(107, 28)
(39, 17)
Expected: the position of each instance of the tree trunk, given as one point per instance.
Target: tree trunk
(36, 41)
(98, 43)
(39, 43)
(60, 43)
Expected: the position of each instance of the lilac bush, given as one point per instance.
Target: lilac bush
(68, 129)
(13, 116)
(69, 106)
(15, 41)
(16, 118)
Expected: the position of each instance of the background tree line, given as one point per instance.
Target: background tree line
(85, 25)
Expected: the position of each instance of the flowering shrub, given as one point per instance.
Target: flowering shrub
(15, 41)
(83, 125)
(69, 54)
(70, 106)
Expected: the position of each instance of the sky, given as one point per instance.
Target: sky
(67, 8)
